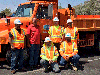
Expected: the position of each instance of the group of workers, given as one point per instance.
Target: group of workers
(59, 47)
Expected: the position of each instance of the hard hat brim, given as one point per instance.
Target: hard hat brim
(56, 20)
(18, 23)
(67, 36)
(47, 41)
(69, 22)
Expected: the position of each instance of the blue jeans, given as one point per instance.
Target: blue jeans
(34, 54)
(17, 54)
(74, 60)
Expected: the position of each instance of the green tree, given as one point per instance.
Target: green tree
(60, 7)
(91, 7)
(7, 12)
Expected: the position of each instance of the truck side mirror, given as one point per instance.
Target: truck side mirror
(7, 21)
(69, 6)
(50, 10)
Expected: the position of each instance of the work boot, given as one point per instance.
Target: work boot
(66, 66)
(74, 68)
(13, 71)
(23, 69)
(57, 71)
(36, 66)
(46, 70)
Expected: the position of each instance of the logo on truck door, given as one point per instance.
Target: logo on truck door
(46, 27)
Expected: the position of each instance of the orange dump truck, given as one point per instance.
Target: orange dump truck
(45, 11)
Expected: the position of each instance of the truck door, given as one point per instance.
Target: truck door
(44, 16)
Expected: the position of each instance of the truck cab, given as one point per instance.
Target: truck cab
(43, 10)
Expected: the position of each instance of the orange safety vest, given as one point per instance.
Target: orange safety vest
(18, 39)
(72, 31)
(68, 49)
(56, 35)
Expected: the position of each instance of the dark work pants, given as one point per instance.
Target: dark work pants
(46, 64)
(34, 54)
(17, 54)
(74, 60)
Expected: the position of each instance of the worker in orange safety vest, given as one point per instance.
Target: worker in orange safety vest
(72, 30)
(56, 33)
(68, 51)
(49, 55)
(17, 41)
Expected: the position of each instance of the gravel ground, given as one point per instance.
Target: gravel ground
(88, 66)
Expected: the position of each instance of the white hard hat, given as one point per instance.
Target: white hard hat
(56, 19)
(69, 20)
(68, 35)
(17, 21)
(47, 39)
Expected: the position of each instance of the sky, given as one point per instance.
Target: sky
(13, 4)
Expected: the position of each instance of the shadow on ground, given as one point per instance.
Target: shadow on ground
(79, 67)
(88, 52)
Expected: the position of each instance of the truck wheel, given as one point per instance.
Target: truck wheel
(8, 57)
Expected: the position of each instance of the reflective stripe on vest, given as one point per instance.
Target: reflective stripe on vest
(53, 36)
(61, 29)
(53, 50)
(23, 32)
(15, 36)
(73, 46)
(56, 36)
(17, 41)
(64, 49)
(42, 54)
(75, 32)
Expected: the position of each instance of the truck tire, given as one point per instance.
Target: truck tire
(25, 56)
(8, 57)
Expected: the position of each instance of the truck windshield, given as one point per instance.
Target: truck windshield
(25, 10)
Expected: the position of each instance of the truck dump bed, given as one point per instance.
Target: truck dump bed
(87, 22)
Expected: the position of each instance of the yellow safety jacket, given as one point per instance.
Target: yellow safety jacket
(49, 54)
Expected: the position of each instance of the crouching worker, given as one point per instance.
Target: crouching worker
(49, 55)
(68, 51)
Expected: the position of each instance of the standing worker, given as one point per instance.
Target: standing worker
(49, 55)
(33, 38)
(72, 30)
(56, 34)
(68, 51)
(17, 42)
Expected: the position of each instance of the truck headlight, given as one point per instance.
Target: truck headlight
(2, 40)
